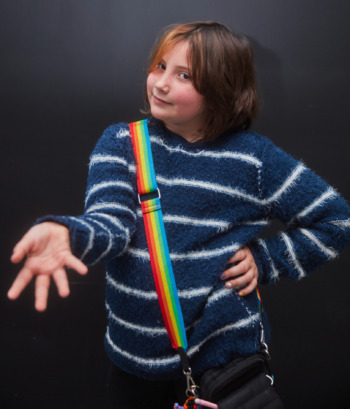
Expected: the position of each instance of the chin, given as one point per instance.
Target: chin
(158, 115)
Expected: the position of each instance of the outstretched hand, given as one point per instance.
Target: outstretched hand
(46, 247)
(243, 275)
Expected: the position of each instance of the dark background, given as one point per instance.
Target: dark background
(71, 68)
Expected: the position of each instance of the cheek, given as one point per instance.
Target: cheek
(192, 101)
(150, 84)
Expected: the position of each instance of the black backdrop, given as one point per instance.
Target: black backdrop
(69, 68)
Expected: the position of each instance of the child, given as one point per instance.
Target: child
(220, 185)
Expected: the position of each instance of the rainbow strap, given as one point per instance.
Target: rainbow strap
(149, 198)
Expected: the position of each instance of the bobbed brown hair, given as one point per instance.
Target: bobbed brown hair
(222, 70)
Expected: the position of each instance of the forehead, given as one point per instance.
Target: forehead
(178, 52)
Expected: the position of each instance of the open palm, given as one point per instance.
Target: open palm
(46, 247)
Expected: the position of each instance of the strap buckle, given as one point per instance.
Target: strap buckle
(155, 194)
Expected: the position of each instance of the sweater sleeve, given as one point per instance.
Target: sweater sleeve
(316, 217)
(105, 229)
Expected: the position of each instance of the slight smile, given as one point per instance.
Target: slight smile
(159, 101)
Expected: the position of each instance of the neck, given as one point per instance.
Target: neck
(190, 136)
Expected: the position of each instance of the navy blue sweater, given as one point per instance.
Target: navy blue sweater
(216, 198)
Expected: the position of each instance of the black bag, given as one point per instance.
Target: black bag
(244, 383)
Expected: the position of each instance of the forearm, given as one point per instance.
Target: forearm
(108, 222)
(316, 219)
(91, 240)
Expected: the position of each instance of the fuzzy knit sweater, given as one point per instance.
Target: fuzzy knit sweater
(215, 199)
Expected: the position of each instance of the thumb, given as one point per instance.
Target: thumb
(18, 253)
(22, 248)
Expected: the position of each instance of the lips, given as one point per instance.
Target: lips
(159, 101)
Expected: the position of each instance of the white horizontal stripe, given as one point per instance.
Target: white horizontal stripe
(187, 294)
(205, 253)
(287, 184)
(225, 292)
(261, 222)
(142, 254)
(326, 250)
(151, 331)
(110, 241)
(225, 189)
(122, 133)
(150, 362)
(110, 205)
(341, 223)
(330, 193)
(106, 159)
(191, 255)
(198, 292)
(219, 224)
(249, 158)
(136, 327)
(156, 361)
(275, 272)
(148, 295)
(230, 327)
(218, 295)
(91, 236)
(105, 185)
(292, 254)
(209, 154)
(208, 186)
(152, 295)
(132, 168)
(112, 219)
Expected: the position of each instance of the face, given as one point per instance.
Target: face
(172, 96)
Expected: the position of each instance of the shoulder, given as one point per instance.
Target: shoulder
(115, 137)
(261, 147)
(119, 131)
(247, 143)
(249, 140)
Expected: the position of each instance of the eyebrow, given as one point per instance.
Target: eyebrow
(180, 67)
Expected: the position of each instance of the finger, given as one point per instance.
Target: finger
(249, 288)
(236, 257)
(240, 282)
(23, 278)
(240, 255)
(18, 253)
(61, 281)
(22, 248)
(238, 269)
(42, 285)
(76, 264)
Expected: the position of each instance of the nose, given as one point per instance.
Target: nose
(163, 83)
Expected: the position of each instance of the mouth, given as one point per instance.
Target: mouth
(159, 101)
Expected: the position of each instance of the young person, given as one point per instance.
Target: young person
(220, 185)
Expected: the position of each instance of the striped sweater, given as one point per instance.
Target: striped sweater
(216, 198)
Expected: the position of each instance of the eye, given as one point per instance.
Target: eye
(184, 76)
(161, 66)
